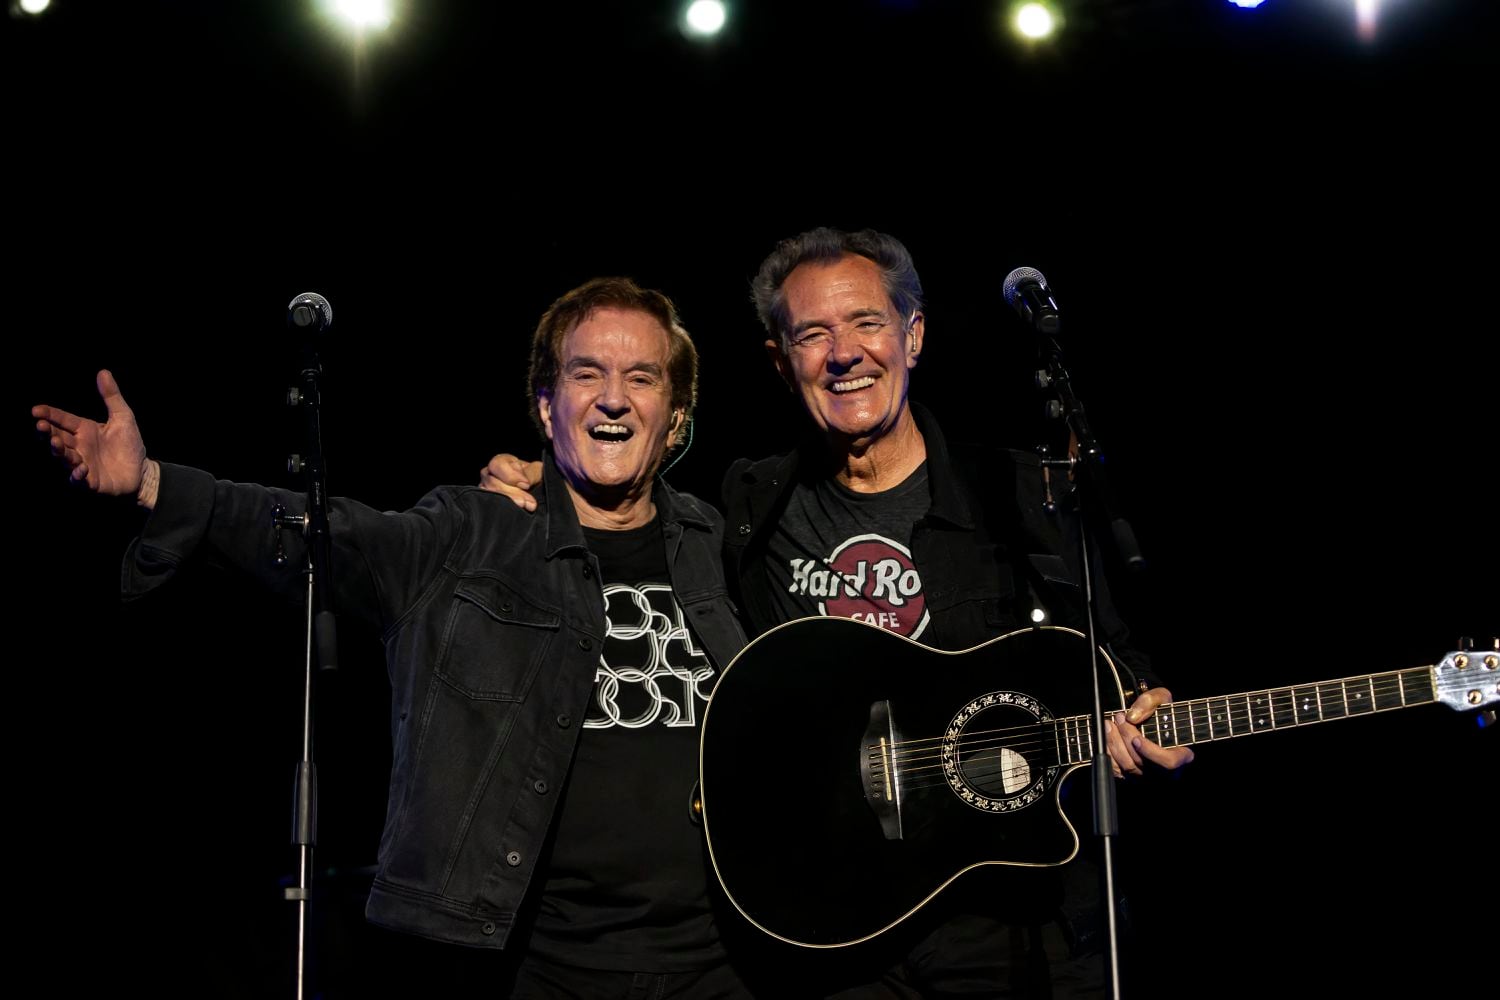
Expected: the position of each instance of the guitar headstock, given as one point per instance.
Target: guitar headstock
(1469, 678)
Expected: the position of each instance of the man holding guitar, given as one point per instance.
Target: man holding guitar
(878, 517)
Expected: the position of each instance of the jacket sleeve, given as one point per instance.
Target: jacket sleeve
(382, 562)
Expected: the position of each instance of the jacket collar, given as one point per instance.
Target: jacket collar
(563, 530)
(948, 503)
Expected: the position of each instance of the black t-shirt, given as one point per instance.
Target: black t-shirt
(846, 554)
(627, 885)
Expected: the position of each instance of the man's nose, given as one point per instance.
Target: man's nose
(846, 350)
(613, 398)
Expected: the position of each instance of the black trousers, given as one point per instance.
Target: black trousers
(966, 957)
(538, 979)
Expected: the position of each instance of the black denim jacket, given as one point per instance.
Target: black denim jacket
(492, 620)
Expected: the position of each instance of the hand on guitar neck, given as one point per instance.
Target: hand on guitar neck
(1128, 747)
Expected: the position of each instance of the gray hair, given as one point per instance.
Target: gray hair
(827, 246)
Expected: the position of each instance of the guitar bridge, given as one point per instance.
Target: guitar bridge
(877, 768)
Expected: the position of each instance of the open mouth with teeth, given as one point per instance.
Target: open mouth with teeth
(853, 385)
(610, 432)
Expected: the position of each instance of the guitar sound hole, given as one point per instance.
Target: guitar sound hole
(997, 751)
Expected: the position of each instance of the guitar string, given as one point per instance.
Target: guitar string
(976, 772)
(1075, 737)
(1077, 734)
(1281, 700)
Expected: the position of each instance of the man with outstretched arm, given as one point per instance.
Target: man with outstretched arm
(548, 670)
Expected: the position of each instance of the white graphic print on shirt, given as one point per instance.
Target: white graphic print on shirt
(650, 669)
(869, 577)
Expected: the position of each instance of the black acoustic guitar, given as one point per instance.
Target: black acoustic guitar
(849, 774)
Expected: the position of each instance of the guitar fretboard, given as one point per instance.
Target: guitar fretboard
(1182, 723)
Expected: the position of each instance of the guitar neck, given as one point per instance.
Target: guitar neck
(1203, 720)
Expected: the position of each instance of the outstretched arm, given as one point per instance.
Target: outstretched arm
(109, 457)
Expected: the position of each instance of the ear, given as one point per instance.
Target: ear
(779, 359)
(914, 334)
(544, 410)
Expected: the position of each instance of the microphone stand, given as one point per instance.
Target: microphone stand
(1086, 462)
(320, 630)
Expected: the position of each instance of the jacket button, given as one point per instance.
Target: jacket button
(505, 606)
(588, 571)
(744, 529)
(540, 786)
(564, 721)
(585, 644)
(513, 858)
(486, 928)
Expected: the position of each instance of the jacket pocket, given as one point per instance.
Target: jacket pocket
(495, 640)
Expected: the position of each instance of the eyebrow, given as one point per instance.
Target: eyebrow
(856, 314)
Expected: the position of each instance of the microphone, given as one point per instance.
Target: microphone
(310, 311)
(1028, 294)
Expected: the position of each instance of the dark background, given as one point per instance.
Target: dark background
(1270, 243)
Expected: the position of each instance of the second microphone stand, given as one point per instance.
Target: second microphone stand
(309, 312)
(1085, 463)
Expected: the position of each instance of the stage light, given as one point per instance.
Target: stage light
(704, 18)
(1366, 14)
(19, 8)
(1247, 3)
(362, 14)
(1035, 21)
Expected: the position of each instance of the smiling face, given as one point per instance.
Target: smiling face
(845, 351)
(609, 417)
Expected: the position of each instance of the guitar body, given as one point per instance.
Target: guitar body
(850, 774)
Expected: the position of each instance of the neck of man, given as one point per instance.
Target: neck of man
(613, 510)
(882, 461)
